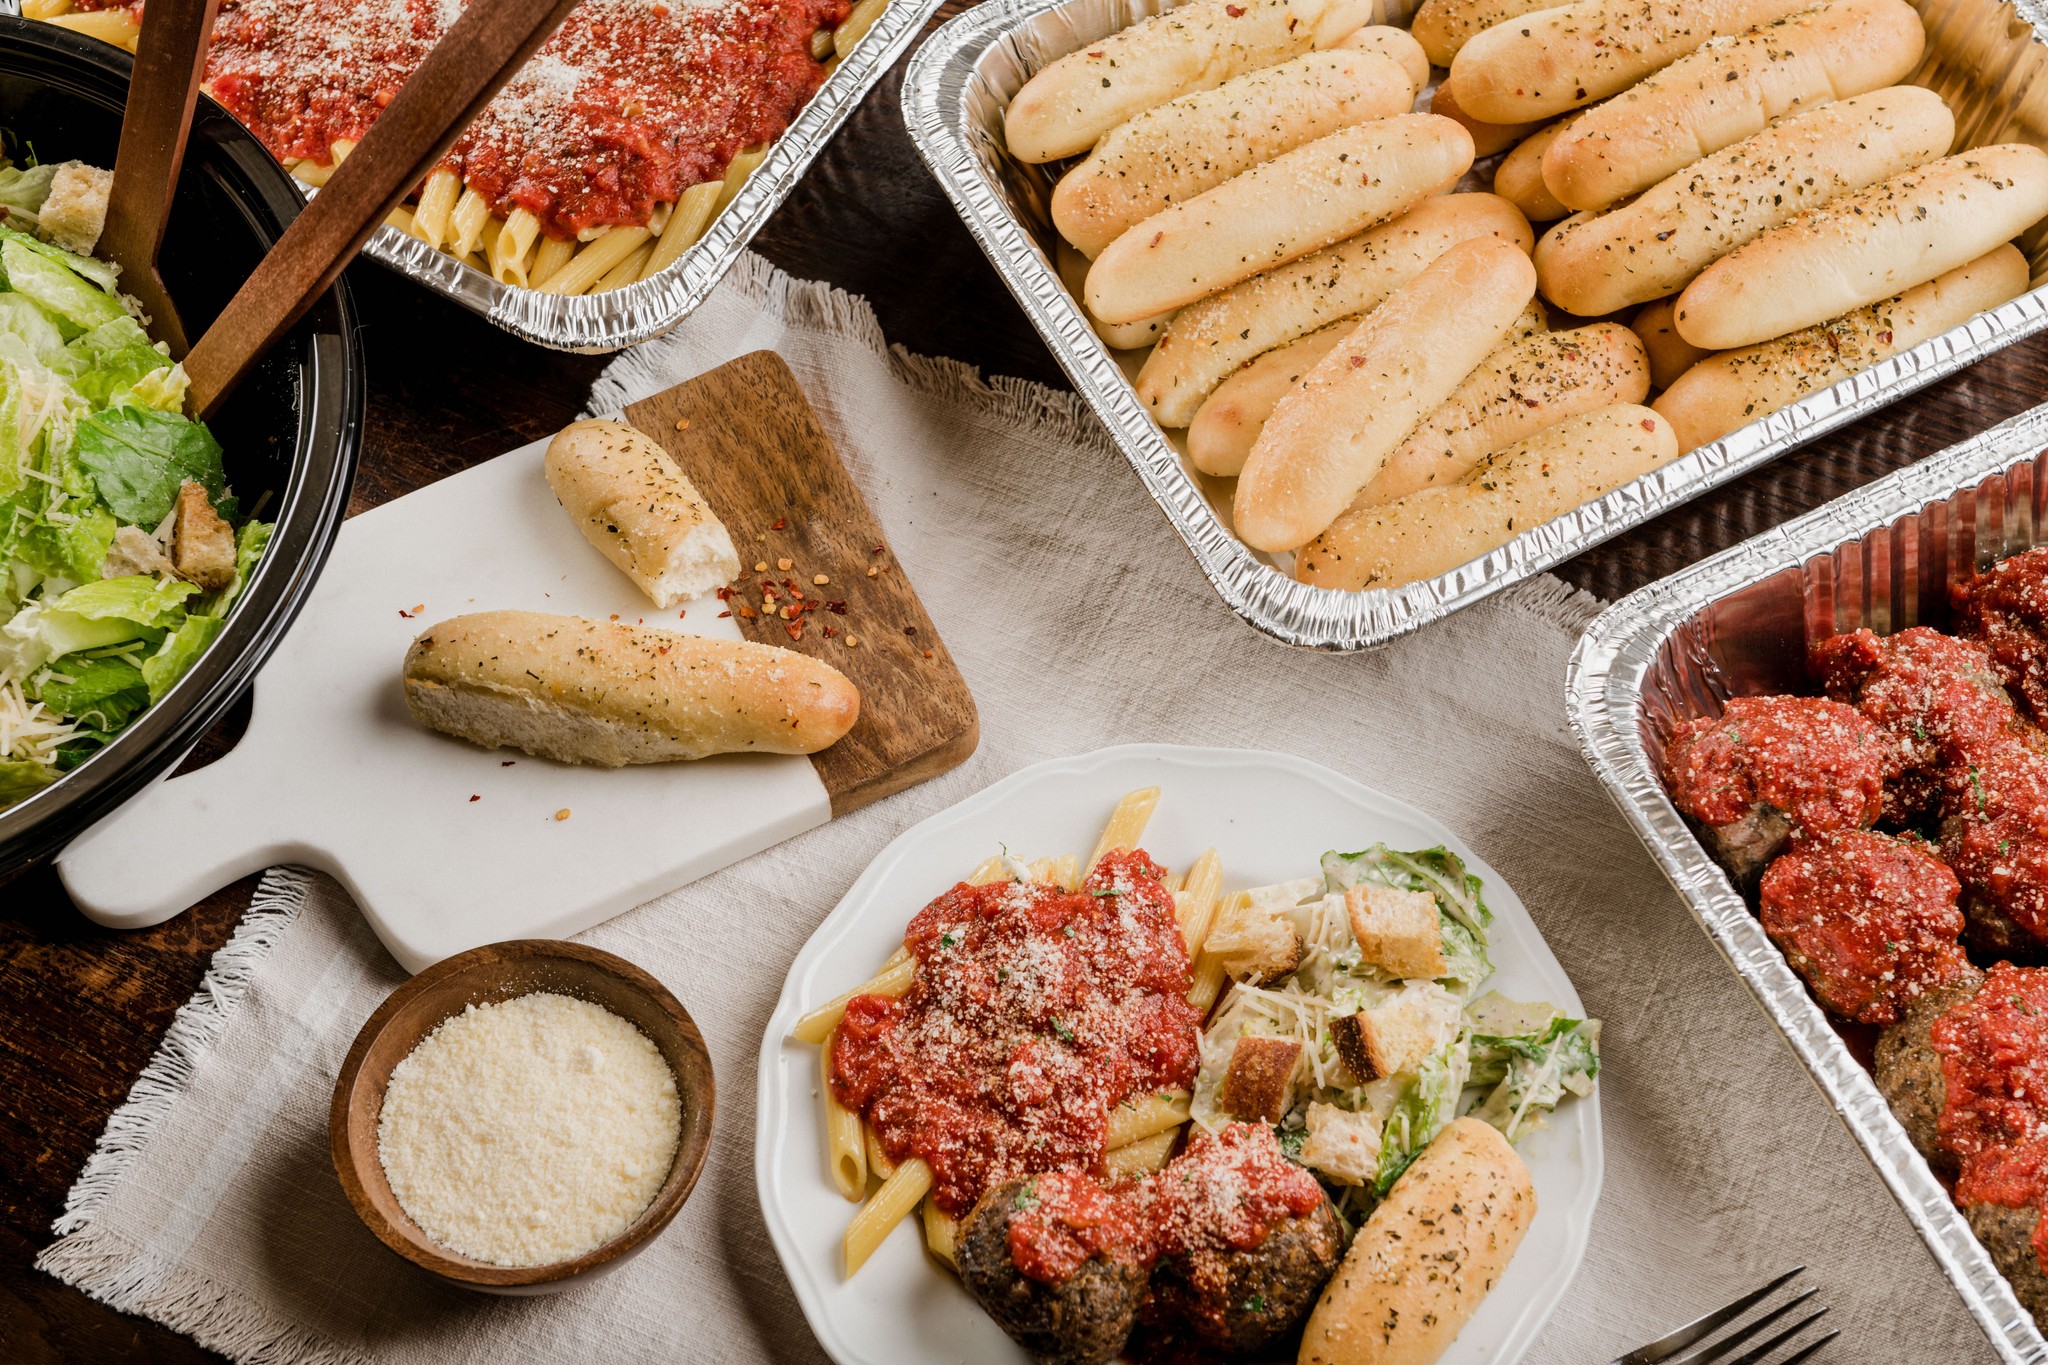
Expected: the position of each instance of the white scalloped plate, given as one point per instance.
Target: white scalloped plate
(1271, 816)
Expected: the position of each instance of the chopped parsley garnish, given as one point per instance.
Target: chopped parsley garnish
(948, 939)
(1066, 1034)
(1100, 894)
(1027, 1198)
(1002, 974)
(1255, 1304)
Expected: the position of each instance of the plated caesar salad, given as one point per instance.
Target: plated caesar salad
(1356, 1025)
(121, 548)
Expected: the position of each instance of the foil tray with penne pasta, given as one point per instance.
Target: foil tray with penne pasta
(1389, 312)
(599, 199)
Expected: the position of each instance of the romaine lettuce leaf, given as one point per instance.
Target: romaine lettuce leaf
(250, 543)
(139, 456)
(1423, 1110)
(1530, 1073)
(156, 603)
(175, 656)
(103, 693)
(38, 633)
(21, 779)
(1462, 916)
(111, 360)
(55, 282)
(24, 188)
(102, 273)
(72, 548)
(41, 341)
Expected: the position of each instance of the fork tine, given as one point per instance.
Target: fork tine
(1761, 1353)
(1717, 1350)
(1671, 1343)
(1808, 1353)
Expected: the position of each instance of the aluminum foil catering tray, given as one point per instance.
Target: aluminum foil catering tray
(626, 316)
(1737, 625)
(1985, 57)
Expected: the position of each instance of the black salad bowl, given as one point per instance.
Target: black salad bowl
(291, 432)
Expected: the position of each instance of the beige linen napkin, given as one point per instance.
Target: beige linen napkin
(1079, 621)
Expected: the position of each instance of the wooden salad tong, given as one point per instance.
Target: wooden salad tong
(170, 58)
(486, 46)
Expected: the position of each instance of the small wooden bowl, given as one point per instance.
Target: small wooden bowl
(487, 975)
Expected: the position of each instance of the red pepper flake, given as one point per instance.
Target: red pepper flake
(878, 549)
(927, 654)
(747, 613)
(836, 608)
(767, 590)
(1158, 237)
(1357, 361)
(722, 615)
(795, 629)
(780, 524)
(474, 797)
(418, 608)
(663, 649)
(506, 763)
(615, 616)
(723, 594)
(1648, 425)
(683, 615)
(1234, 11)
(910, 630)
(406, 614)
(830, 630)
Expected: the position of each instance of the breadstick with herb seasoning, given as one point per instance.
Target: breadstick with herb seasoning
(1557, 60)
(1332, 436)
(1441, 27)
(1392, 42)
(1488, 139)
(1860, 248)
(604, 693)
(640, 510)
(1211, 340)
(1734, 388)
(1538, 480)
(1731, 90)
(1070, 103)
(1663, 239)
(1427, 1256)
(1295, 204)
(1171, 154)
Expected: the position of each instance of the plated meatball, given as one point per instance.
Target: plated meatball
(1239, 1302)
(1869, 920)
(1908, 1069)
(1768, 767)
(1082, 1316)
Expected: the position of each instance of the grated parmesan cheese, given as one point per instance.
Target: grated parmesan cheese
(531, 1131)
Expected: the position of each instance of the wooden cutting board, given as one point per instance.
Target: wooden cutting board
(446, 846)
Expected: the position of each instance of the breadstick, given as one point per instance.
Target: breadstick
(1730, 90)
(1209, 341)
(1519, 177)
(1732, 389)
(1123, 336)
(1171, 154)
(1423, 1262)
(1073, 101)
(1332, 436)
(1671, 355)
(1395, 43)
(1297, 203)
(605, 693)
(1441, 27)
(1863, 247)
(1230, 419)
(1488, 139)
(1516, 392)
(1530, 483)
(1656, 245)
(640, 510)
(1559, 59)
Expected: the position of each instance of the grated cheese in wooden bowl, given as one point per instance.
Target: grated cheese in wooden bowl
(530, 1131)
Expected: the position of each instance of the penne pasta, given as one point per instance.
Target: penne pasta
(1126, 823)
(1142, 1157)
(466, 222)
(995, 868)
(736, 175)
(50, 9)
(686, 223)
(400, 218)
(879, 1161)
(886, 1208)
(1209, 966)
(116, 26)
(1195, 906)
(594, 260)
(626, 271)
(511, 254)
(894, 979)
(941, 1231)
(855, 26)
(846, 1153)
(1147, 1114)
(552, 254)
(821, 43)
(437, 202)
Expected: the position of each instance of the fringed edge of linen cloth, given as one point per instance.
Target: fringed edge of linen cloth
(124, 1276)
(1019, 403)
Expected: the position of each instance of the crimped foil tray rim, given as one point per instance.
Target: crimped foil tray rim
(644, 310)
(1326, 618)
(1604, 686)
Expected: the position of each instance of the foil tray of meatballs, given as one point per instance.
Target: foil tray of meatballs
(1834, 740)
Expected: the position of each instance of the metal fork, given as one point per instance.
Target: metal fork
(1664, 1350)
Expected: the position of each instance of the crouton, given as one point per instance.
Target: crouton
(1260, 1081)
(76, 208)
(1256, 942)
(202, 545)
(1396, 929)
(1342, 1146)
(1396, 1034)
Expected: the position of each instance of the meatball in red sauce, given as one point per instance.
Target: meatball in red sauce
(1870, 921)
(2005, 609)
(1768, 767)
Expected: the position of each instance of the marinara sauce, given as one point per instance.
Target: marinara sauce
(1033, 1013)
(1994, 1067)
(1821, 762)
(1225, 1192)
(627, 105)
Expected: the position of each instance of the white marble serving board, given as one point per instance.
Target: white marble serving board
(445, 846)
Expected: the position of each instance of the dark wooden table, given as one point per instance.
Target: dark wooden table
(82, 1009)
